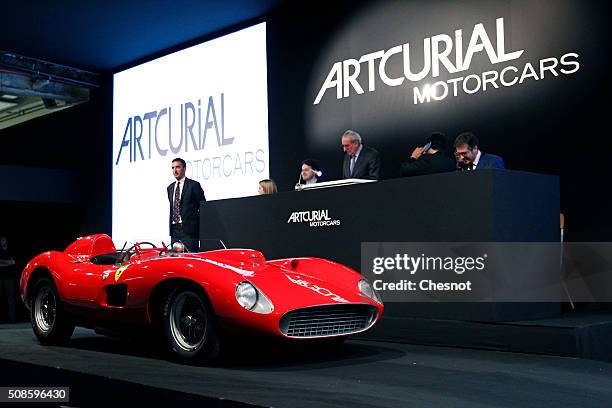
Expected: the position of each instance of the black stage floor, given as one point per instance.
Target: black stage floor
(103, 371)
(584, 335)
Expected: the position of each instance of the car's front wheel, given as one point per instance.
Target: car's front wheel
(51, 325)
(189, 326)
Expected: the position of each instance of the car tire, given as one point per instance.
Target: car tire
(51, 324)
(189, 326)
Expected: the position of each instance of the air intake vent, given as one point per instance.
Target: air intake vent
(116, 295)
(327, 321)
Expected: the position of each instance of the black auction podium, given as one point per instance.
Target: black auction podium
(475, 206)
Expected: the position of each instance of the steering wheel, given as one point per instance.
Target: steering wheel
(127, 254)
(145, 242)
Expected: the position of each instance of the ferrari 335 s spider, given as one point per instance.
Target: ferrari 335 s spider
(191, 300)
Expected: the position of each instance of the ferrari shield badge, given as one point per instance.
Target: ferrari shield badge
(119, 271)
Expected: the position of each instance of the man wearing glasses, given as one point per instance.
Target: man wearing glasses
(360, 162)
(470, 158)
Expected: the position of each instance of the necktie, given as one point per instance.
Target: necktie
(176, 205)
(352, 165)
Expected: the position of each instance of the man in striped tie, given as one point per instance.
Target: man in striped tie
(184, 196)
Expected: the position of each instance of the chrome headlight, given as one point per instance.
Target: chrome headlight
(251, 298)
(246, 295)
(368, 290)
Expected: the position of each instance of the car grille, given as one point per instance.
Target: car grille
(325, 321)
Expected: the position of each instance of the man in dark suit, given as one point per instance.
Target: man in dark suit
(360, 162)
(470, 158)
(184, 196)
(433, 157)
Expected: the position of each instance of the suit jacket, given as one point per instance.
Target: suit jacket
(490, 161)
(366, 167)
(438, 162)
(191, 196)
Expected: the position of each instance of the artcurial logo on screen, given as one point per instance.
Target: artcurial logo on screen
(207, 105)
(152, 135)
(444, 53)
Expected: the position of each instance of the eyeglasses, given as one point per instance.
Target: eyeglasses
(461, 154)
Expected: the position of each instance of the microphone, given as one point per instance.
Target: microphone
(299, 186)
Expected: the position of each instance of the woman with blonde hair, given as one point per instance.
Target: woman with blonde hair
(267, 186)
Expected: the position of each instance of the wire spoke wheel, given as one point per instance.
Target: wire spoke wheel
(51, 324)
(45, 309)
(188, 321)
(190, 326)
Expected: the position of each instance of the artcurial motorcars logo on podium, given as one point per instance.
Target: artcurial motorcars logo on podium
(314, 218)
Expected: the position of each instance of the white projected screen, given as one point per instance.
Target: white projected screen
(207, 104)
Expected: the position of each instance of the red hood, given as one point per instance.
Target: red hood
(292, 290)
(246, 261)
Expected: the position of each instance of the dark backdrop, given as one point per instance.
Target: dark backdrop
(556, 125)
(77, 140)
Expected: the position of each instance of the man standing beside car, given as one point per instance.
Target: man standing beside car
(184, 196)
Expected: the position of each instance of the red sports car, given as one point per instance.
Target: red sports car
(191, 299)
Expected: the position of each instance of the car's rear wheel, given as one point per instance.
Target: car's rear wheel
(51, 325)
(189, 326)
